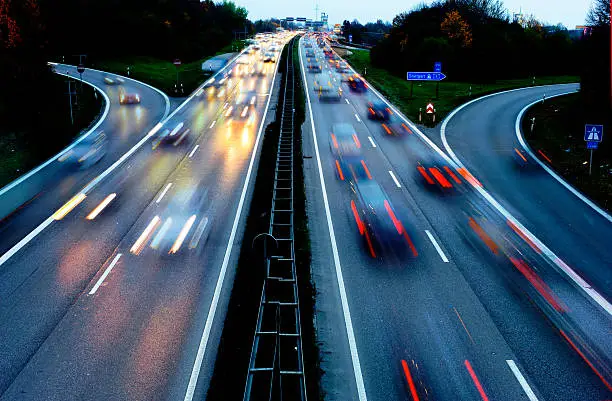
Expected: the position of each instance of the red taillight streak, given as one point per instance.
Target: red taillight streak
(356, 141)
(524, 236)
(339, 170)
(476, 381)
(453, 176)
(413, 391)
(410, 244)
(544, 156)
(586, 360)
(518, 152)
(386, 129)
(334, 141)
(370, 245)
(366, 169)
(440, 178)
(483, 236)
(538, 284)
(371, 111)
(406, 128)
(425, 175)
(396, 222)
(360, 224)
(469, 177)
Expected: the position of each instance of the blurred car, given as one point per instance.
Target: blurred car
(342, 67)
(113, 81)
(314, 67)
(308, 44)
(395, 128)
(378, 110)
(328, 91)
(128, 98)
(376, 219)
(346, 148)
(90, 150)
(269, 57)
(217, 86)
(310, 53)
(172, 136)
(356, 83)
(243, 109)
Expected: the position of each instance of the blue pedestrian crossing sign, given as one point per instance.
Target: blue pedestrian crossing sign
(593, 133)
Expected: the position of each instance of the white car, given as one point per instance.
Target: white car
(269, 57)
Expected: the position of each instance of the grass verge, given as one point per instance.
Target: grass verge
(21, 151)
(558, 132)
(162, 74)
(450, 94)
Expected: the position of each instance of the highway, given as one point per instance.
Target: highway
(122, 296)
(472, 311)
(482, 136)
(50, 187)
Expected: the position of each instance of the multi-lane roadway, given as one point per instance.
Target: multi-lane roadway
(479, 313)
(118, 297)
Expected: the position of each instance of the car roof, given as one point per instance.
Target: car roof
(343, 129)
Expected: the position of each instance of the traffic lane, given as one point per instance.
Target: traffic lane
(379, 355)
(228, 155)
(59, 181)
(582, 321)
(25, 322)
(573, 230)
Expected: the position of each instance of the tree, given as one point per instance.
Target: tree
(455, 27)
(599, 13)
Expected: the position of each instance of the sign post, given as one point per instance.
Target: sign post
(593, 135)
(177, 63)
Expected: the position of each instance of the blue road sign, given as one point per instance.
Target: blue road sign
(592, 145)
(593, 133)
(437, 66)
(425, 76)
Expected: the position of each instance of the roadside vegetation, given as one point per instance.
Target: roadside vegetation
(148, 35)
(162, 73)
(450, 94)
(558, 133)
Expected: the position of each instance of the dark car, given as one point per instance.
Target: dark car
(346, 148)
(328, 92)
(172, 136)
(378, 110)
(314, 67)
(310, 53)
(356, 83)
(377, 220)
(395, 128)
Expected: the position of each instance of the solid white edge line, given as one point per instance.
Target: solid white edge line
(521, 139)
(556, 261)
(372, 141)
(357, 117)
(332, 236)
(197, 365)
(395, 179)
(437, 246)
(24, 177)
(106, 272)
(7, 255)
(347, 101)
(213, 123)
(193, 151)
(521, 379)
(163, 192)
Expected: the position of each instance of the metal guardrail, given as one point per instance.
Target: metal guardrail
(276, 367)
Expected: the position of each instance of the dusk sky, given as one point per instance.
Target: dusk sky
(568, 12)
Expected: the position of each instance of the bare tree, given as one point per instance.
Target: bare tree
(599, 13)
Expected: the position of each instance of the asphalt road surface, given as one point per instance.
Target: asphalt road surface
(473, 312)
(117, 298)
